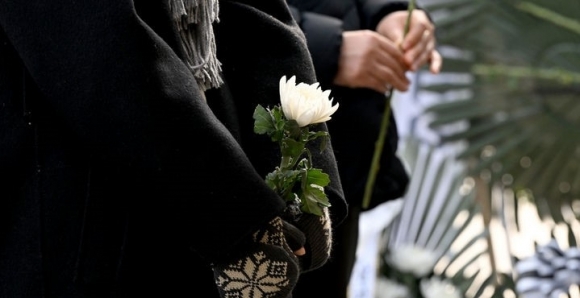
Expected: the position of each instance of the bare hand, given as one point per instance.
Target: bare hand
(369, 60)
(419, 43)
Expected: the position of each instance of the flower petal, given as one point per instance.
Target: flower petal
(307, 104)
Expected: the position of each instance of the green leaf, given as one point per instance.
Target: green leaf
(282, 182)
(313, 199)
(273, 180)
(292, 148)
(263, 121)
(279, 122)
(312, 195)
(316, 176)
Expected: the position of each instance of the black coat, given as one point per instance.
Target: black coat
(116, 178)
(355, 126)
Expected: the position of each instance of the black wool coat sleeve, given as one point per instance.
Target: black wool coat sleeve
(114, 169)
(123, 91)
(324, 36)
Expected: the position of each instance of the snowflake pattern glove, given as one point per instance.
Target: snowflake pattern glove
(269, 270)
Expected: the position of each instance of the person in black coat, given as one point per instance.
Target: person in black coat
(360, 53)
(127, 166)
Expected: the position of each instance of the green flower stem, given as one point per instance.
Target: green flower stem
(379, 144)
(408, 22)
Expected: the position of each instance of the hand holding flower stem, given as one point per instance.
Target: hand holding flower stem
(379, 144)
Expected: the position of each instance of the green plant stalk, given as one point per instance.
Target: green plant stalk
(550, 16)
(408, 22)
(560, 75)
(380, 142)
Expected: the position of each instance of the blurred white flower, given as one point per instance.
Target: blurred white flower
(386, 288)
(414, 259)
(436, 287)
(307, 104)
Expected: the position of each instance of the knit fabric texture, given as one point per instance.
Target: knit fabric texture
(269, 270)
(318, 232)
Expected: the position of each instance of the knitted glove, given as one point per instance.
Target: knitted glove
(269, 270)
(317, 230)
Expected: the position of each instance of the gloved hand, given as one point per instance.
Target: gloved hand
(270, 269)
(318, 232)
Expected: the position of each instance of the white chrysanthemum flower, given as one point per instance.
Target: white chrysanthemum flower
(307, 104)
(414, 259)
(386, 288)
(436, 287)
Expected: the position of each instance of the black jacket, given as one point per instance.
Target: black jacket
(116, 178)
(355, 126)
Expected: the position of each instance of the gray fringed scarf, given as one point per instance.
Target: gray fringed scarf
(193, 19)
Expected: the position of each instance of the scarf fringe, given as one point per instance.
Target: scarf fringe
(193, 19)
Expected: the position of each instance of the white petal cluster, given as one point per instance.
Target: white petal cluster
(436, 287)
(386, 288)
(306, 104)
(414, 259)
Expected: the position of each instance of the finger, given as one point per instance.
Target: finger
(379, 85)
(387, 76)
(420, 54)
(376, 84)
(436, 62)
(419, 22)
(424, 55)
(390, 49)
(389, 70)
(300, 252)
(416, 34)
(392, 58)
